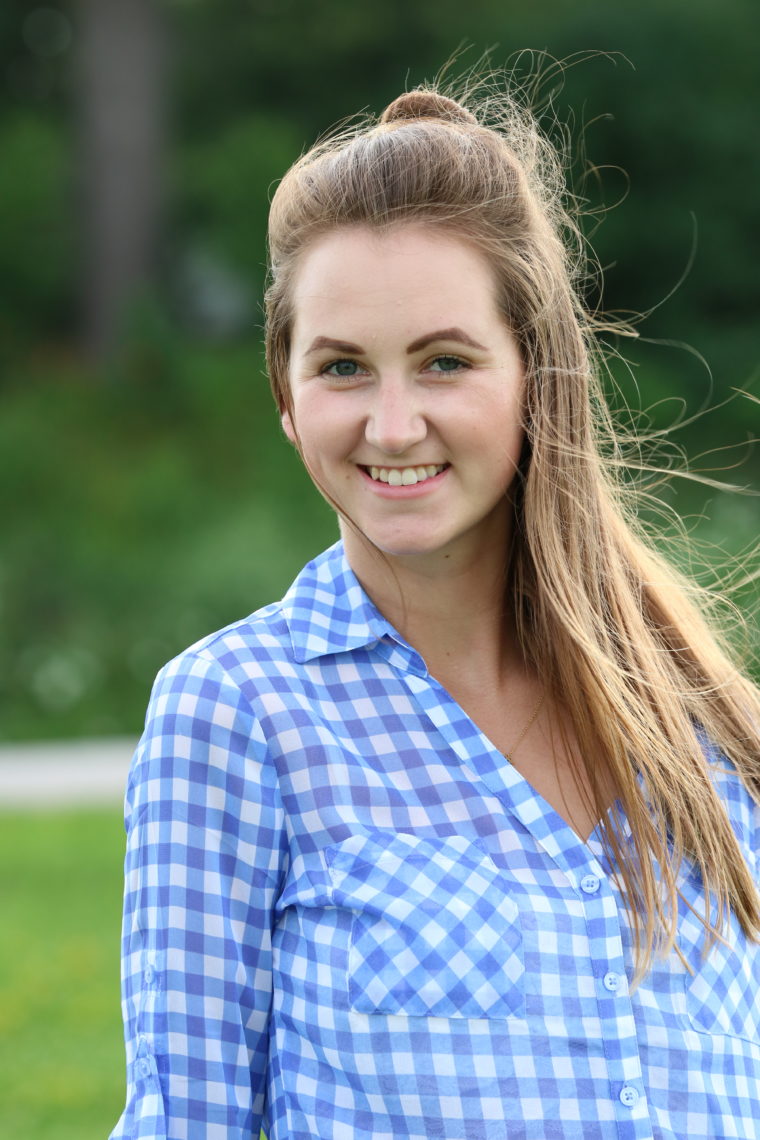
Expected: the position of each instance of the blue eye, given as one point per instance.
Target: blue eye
(342, 368)
(448, 363)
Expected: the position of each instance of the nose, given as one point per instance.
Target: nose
(396, 420)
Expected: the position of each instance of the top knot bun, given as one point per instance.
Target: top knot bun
(426, 105)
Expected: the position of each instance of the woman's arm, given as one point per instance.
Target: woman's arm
(205, 855)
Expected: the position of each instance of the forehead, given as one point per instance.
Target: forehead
(411, 269)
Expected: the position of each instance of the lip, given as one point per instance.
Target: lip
(416, 490)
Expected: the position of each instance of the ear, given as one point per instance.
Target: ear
(287, 427)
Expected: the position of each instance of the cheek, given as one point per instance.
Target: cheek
(322, 440)
(495, 419)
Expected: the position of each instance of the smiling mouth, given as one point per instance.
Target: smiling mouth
(404, 476)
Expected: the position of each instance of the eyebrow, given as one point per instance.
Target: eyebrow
(455, 334)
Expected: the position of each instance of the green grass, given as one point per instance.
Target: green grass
(61, 1051)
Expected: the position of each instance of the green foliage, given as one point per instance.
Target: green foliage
(156, 500)
(222, 187)
(254, 82)
(143, 515)
(36, 255)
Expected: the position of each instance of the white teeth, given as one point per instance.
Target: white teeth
(405, 476)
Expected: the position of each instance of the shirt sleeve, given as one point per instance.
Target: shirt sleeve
(205, 856)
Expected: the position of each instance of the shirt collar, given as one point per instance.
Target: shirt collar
(327, 611)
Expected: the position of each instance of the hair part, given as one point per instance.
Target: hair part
(616, 634)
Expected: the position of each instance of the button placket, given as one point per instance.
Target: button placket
(613, 1001)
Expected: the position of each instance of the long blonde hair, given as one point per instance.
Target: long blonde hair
(615, 633)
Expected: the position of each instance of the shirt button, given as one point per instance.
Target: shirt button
(143, 1068)
(589, 884)
(148, 975)
(628, 1096)
(611, 982)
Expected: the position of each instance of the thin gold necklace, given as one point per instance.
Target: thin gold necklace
(525, 731)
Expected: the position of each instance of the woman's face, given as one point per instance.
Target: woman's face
(406, 389)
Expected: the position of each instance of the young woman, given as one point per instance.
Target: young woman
(460, 839)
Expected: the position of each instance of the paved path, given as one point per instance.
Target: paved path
(70, 774)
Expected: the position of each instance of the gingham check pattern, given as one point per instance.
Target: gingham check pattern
(347, 916)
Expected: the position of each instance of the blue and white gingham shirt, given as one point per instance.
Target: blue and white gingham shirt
(348, 917)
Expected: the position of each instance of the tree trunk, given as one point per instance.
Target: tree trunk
(122, 120)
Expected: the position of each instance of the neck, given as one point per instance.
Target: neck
(449, 606)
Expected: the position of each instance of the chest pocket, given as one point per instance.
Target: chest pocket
(722, 994)
(434, 932)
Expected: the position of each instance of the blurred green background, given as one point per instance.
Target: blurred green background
(149, 495)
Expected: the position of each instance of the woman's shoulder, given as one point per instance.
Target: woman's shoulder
(260, 635)
(205, 724)
(229, 671)
(266, 655)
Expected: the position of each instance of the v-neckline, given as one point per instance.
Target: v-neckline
(516, 794)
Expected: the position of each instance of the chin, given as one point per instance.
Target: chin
(407, 548)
